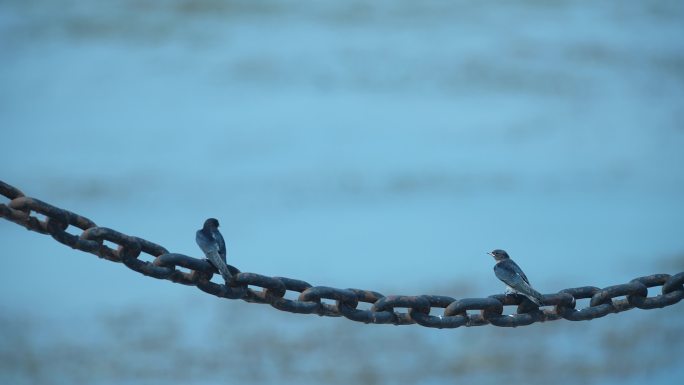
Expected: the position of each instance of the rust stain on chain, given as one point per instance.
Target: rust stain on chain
(559, 305)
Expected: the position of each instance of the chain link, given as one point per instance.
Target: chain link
(338, 302)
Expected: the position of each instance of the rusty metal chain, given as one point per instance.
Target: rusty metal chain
(340, 302)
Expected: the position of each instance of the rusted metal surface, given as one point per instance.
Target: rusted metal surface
(256, 288)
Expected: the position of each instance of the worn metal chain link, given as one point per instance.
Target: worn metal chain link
(339, 302)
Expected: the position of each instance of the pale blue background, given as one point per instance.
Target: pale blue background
(383, 145)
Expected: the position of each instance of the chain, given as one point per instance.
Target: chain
(339, 302)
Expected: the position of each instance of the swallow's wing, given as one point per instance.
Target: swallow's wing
(215, 259)
(211, 247)
(518, 270)
(511, 274)
(205, 242)
(221, 244)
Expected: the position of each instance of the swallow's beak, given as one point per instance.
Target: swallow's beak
(490, 253)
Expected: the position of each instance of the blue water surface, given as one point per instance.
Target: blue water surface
(376, 145)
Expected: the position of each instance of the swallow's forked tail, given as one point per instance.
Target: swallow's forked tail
(221, 266)
(535, 297)
(226, 274)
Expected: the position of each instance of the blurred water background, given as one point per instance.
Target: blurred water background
(383, 145)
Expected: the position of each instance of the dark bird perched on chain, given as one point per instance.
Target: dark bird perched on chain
(212, 244)
(512, 275)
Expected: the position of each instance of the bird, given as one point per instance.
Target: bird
(210, 240)
(512, 275)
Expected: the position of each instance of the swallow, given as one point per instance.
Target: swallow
(512, 275)
(210, 240)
